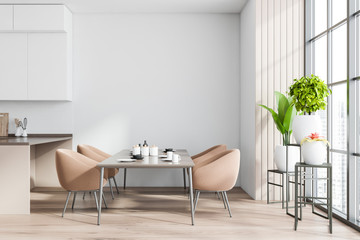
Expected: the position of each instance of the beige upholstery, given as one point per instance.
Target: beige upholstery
(218, 173)
(205, 155)
(211, 151)
(77, 172)
(97, 155)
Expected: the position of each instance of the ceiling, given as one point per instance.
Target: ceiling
(142, 6)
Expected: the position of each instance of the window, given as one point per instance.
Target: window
(333, 53)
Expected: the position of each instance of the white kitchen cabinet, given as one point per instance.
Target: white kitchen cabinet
(6, 17)
(49, 66)
(13, 66)
(42, 18)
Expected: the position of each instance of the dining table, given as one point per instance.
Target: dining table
(123, 159)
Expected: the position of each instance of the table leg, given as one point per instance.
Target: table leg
(191, 195)
(101, 194)
(296, 198)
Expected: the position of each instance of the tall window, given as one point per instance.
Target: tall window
(333, 54)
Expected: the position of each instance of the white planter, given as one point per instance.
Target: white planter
(304, 125)
(314, 152)
(280, 157)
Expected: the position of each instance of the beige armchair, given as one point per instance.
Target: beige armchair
(217, 174)
(77, 173)
(203, 156)
(99, 156)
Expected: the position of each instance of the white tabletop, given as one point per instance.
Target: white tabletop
(148, 162)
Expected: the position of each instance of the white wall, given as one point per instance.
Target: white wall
(170, 79)
(247, 98)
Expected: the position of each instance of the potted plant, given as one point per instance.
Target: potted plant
(314, 149)
(283, 120)
(309, 95)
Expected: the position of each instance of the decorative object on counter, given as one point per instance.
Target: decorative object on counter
(283, 120)
(313, 149)
(4, 124)
(136, 150)
(154, 150)
(145, 149)
(24, 134)
(309, 95)
(18, 125)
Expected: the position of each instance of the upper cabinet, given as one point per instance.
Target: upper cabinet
(41, 18)
(6, 17)
(35, 52)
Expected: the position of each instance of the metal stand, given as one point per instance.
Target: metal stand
(300, 195)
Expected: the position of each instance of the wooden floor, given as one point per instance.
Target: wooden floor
(163, 213)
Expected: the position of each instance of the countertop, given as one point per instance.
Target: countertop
(34, 139)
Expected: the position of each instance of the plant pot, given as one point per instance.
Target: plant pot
(280, 157)
(304, 125)
(314, 152)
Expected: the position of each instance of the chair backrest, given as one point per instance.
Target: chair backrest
(218, 173)
(76, 172)
(209, 153)
(92, 152)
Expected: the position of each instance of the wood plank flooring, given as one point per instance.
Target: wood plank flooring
(163, 213)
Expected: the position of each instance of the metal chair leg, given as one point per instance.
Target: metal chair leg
(184, 176)
(117, 189)
(66, 203)
(105, 201)
(124, 178)
(111, 190)
(96, 201)
(218, 195)
(223, 199)
(197, 194)
(84, 195)
(73, 203)
(227, 203)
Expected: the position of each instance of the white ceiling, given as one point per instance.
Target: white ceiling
(143, 6)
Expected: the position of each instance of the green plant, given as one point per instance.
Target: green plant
(309, 94)
(284, 117)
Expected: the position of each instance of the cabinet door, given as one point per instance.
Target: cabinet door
(48, 66)
(40, 18)
(6, 17)
(13, 66)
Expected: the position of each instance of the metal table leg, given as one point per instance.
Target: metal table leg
(100, 194)
(184, 175)
(191, 195)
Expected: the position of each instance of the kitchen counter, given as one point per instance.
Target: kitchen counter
(34, 139)
(28, 162)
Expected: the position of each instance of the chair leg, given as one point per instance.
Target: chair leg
(184, 176)
(73, 203)
(227, 202)
(223, 199)
(218, 195)
(117, 189)
(197, 194)
(111, 190)
(84, 195)
(124, 178)
(105, 201)
(66, 203)
(96, 201)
